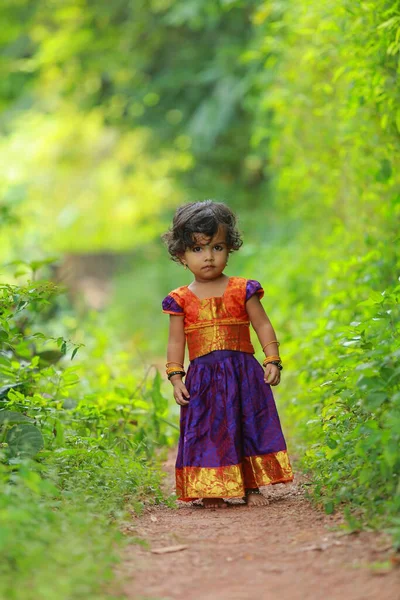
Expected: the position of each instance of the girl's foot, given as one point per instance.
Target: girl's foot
(254, 497)
(214, 503)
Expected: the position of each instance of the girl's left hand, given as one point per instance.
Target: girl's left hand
(272, 374)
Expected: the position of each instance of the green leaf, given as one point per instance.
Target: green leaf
(385, 171)
(10, 416)
(50, 357)
(376, 399)
(329, 507)
(24, 440)
(6, 388)
(160, 403)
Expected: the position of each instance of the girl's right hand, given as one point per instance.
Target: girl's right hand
(272, 374)
(180, 392)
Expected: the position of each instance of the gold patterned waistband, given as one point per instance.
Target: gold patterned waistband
(213, 323)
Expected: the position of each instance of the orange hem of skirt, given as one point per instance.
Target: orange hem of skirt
(231, 481)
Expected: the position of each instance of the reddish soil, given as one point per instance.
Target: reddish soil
(287, 550)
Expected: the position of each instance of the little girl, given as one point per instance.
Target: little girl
(231, 440)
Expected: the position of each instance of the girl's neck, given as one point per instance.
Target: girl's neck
(210, 282)
(212, 287)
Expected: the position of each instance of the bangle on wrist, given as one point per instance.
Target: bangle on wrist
(271, 342)
(175, 368)
(169, 375)
(277, 363)
(275, 360)
(268, 359)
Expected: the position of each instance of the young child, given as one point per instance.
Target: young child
(231, 440)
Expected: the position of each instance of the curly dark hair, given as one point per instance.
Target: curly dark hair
(200, 217)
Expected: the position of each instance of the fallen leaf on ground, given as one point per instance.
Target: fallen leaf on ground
(168, 549)
(320, 547)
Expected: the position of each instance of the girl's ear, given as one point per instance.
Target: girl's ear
(181, 260)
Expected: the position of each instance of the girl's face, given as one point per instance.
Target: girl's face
(208, 257)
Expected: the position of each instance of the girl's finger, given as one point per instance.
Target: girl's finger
(271, 374)
(272, 380)
(182, 392)
(180, 400)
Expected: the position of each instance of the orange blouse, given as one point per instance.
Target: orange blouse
(217, 323)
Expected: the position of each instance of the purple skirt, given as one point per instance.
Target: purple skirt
(230, 434)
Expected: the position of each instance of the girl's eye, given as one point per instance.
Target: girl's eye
(196, 249)
(218, 247)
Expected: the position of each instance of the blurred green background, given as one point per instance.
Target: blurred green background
(114, 113)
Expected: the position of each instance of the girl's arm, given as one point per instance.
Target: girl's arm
(265, 333)
(176, 354)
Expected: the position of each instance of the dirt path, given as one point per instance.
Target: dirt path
(286, 551)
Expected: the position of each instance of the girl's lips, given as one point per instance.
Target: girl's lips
(209, 267)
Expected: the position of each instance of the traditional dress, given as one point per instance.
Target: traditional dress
(230, 434)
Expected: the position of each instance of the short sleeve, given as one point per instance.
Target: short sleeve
(171, 306)
(253, 287)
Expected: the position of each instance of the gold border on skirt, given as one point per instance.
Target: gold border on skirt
(231, 481)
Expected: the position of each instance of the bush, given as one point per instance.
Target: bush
(79, 445)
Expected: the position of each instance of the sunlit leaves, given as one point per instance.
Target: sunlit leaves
(334, 140)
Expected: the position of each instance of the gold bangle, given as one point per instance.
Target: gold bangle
(171, 369)
(268, 359)
(176, 373)
(272, 342)
(174, 363)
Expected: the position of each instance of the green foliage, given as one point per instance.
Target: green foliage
(333, 143)
(346, 403)
(116, 112)
(93, 429)
(21, 439)
(60, 542)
